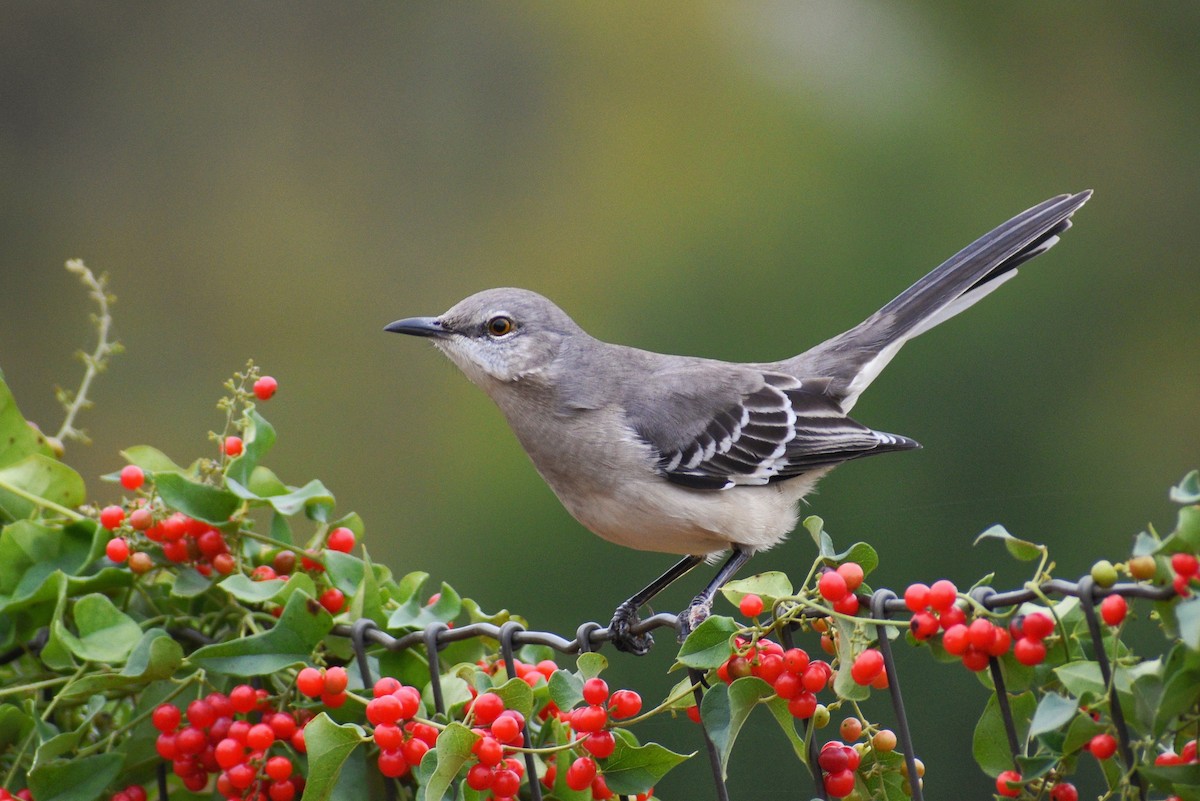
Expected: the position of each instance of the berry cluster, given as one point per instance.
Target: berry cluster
(233, 736)
(933, 608)
(403, 741)
(1186, 568)
(592, 727)
(791, 673)
(327, 684)
(838, 587)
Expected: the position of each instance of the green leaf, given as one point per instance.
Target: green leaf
(591, 664)
(708, 645)
(1080, 732)
(329, 746)
(990, 744)
(413, 614)
(75, 779)
(725, 708)
(257, 439)
(1020, 549)
(106, 634)
(18, 439)
(249, 591)
(1053, 712)
(778, 708)
(1180, 693)
(1186, 536)
(156, 658)
(189, 583)
(1188, 489)
(68, 740)
(43, 477)
(30, 553)
(452, 751)
(516, 695)
(303, 624)
(566, 688)
(151, 459)
(1081, 679)
(770, 586)
(15, 725)
(815, 527)
(862, 554)
(201, 501)
(634, 769)
(1187, 614)
(1170, 778)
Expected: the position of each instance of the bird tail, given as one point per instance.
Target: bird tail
(852, 360)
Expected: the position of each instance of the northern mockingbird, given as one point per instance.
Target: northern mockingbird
(696, 456)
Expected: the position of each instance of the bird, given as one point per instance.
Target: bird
(699, 457)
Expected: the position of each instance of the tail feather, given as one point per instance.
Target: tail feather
(853, 359)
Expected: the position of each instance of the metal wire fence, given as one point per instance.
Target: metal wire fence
(883, 604)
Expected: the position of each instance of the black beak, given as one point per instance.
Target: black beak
(418, 327)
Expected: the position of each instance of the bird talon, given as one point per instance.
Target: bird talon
(622, 635)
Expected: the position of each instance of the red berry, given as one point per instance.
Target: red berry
(385, 686)
(281, 791)
(283, 724)
(851, 729)
(388, 737)
(815, 677)
(1064, 791)
(201, 714)
(392, 764)
(795, 660)
(1112, 609)
(867, 666)
(595, 691)
(265, 387)
(803, 705)
(693, 713)
(847, 604)
(336, 680)
(751, 605)
(1102, 746)
(311, 682)
(111, 517)
(589, 719)
(190, 741)
(981, 633)
(1180, 583)
(852, 572)
(581, 773)
(1002, 784)
(340, 539)
(414, 750)
(382, 710)
(769, 667)
(260, 737)
(229, 752)
(132, 477)
(923, 625)
(974, 659)
(1185, 564)
(233, 446)
(505, 783)
(489, 751)
(486, 708)
(166, 718)
(624, 704)
(916, 597)
(1037, 626)
(410, 702)
(840, 784)
(1001, 643)
(333, 600)
(166, 746)
(506, 729)
(832, 586)
(952, 617)
(117, 549)
(788, 685)
(942, 594)
(1029, 651)
(479, 777)
(601, 744)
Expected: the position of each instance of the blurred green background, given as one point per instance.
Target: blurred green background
(738, 180)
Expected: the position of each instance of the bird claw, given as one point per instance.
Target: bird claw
(696, 613)
(622, 635)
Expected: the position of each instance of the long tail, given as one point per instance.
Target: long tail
(852, 360)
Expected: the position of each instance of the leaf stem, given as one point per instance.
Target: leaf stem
(42, 502)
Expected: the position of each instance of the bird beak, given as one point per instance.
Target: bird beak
(418, 327)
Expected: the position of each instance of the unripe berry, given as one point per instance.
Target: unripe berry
(851, 729)
(140, 563)
(1104, 574)
(1142, 568)
(884, 741)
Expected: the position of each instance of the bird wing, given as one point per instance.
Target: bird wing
(767, 427)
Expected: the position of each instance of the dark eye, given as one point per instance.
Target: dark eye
(499, 326)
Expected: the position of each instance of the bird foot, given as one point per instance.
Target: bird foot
(622, 634)
(696, 613)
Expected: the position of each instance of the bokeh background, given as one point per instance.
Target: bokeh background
(738, 180)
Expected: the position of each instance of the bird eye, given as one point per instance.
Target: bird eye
(499, 326)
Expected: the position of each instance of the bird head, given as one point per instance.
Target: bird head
(498, 335)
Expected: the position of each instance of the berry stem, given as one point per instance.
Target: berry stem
(95, 362)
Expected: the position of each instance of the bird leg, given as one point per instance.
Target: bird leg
(626, 617)
(701, 605)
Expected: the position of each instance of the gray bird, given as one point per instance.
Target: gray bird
(695, 456)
